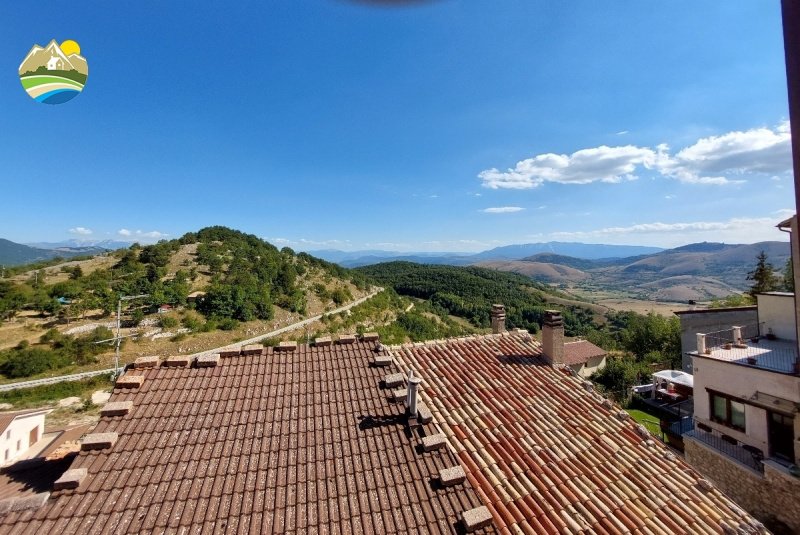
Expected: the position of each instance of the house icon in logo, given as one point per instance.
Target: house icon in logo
(55, 64)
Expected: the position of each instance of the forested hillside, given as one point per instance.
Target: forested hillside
(233, 278)
(469, 292)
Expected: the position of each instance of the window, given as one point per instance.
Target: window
(19, 445)
(727, 411)
(8, 434)
(781, 436)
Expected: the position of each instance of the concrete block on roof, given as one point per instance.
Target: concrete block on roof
(323, 341)
(5, 505)
(207, 361)
(393, 380)
(254, 349)
(287, 346)
(382, 360)
(129, 381)
(98, 441)
(347, 339)
(227, 353)
(433, 442)
(71, 479)
(30, 502)
(146, 362)
(177, 361)
(370, 337)
(449, 477)
(116, 408)
(424, 413)
(475, 519)
(399, 394)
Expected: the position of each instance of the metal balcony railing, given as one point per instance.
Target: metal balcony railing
(746, 455)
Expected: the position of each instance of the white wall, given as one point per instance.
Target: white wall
(741, 382)
(776, 311)
(18, 433)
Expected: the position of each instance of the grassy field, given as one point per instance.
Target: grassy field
(648, 420)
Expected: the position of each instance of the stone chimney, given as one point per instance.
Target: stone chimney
(553, 337)
(498, 319)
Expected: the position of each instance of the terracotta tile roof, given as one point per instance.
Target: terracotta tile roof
(548, 455)
(284, 442)
(580, 352)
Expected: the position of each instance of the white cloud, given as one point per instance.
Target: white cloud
(736, 230)
(601, 164)
(622, 132)
(502, 210)
(711, 160)
(303, 243)
(142, 235)
(80, 231)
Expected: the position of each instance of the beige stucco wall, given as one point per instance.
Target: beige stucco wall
(19, 432)
(742, 382)
(592, 365)
(776, 311)
(773, 496)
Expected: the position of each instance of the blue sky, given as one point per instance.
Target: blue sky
(447, 125)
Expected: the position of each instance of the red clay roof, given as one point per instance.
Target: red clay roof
(580, 352)
(284, 442)
(549, 455)
(307, 442)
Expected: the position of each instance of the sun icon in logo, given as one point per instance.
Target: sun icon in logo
(54, 74)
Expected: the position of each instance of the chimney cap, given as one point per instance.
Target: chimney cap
(552, 318)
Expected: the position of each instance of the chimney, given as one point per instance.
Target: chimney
(553, 337)
(701, 344)
(498, 319)
(411, 400)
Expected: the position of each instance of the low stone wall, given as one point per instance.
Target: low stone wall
(773, 498)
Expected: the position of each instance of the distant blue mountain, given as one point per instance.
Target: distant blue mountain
(109, 245)
(585, 251)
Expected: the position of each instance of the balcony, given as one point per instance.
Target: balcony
(743, 454)
(755, 351)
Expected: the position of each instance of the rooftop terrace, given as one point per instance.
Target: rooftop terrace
(777, 355)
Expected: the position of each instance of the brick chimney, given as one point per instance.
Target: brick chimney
(553, 337)
(498, 319)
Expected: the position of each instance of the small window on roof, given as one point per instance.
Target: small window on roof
(8, 434)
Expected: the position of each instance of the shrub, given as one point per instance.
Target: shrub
(168, 321)
(228, 324)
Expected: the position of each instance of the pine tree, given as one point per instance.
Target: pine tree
(788, 276)
(763, 276)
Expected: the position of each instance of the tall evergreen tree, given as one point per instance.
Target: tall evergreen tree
(788, 276)
(763, 276)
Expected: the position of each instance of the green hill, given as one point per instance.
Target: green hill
(469, 292)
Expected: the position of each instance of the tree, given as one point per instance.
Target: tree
(763, 276)
(788, 276)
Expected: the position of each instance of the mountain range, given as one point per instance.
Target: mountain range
(593, 251)
(15, 254)
(38, 57)
(698, 271)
